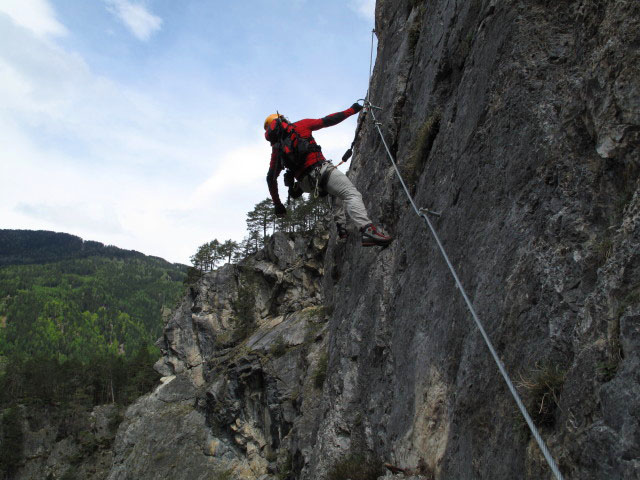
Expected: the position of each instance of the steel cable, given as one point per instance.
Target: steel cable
(503, 372)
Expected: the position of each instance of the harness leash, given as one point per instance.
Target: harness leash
(423, 213)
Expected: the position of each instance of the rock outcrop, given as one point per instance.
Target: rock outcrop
(63, 441)
(244, 364)
(520, 122)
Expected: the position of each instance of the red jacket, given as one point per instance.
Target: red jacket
(304, 129)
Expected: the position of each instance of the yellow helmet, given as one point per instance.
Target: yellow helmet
(270, 119)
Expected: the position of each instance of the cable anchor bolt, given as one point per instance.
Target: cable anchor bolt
(426, 211)
(367, 104)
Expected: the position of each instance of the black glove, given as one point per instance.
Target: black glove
(280, 210)
(289, 179)
(295, 191)
(356, 107)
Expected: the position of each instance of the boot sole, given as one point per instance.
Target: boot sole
(376, 244)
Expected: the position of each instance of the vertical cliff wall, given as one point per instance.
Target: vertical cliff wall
(520, 122)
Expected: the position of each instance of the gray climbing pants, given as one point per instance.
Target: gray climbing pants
(345, 195)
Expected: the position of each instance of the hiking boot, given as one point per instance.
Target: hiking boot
(342, 232)
(371, 237)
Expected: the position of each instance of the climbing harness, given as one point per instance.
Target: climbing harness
(424, 214)
(317, 180)
(324, 178)
(321, 179)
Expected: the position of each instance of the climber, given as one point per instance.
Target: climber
(294, 148)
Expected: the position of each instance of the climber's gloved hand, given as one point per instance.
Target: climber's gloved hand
(356, 107)
(280, 210)
(295, 191)
(289, 179)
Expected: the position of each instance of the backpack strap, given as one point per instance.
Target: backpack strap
(293, 148)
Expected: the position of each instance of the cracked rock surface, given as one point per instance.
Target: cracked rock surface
(235, 401)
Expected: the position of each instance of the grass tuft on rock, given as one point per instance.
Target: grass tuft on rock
(278, 348)
(422, 147)
(541, 389)
(245, 304)
(285, 466)
(607, 370)
(356, 467)
(223, 475)
(320, 373)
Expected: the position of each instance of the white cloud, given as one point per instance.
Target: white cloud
(93, 216)
(136, 18)
(136, 165)
(34, 15)
(85, 154)
(245, 168)
(365, 8)
(238, 168)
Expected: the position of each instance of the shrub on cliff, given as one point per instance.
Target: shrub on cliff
(356, 467)
(245, 306)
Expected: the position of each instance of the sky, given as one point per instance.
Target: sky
(139, 123)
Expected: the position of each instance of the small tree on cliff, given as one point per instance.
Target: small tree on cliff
(228, 249)
(245, 307)
(259, 220)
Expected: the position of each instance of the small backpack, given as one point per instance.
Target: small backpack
(293, 147)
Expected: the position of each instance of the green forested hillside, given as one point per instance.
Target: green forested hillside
(82, 323)
(19, 247)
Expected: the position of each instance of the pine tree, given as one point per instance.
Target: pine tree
(228, 249)
(259, 220)
(214, 253)
(304, 213)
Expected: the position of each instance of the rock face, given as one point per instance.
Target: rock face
(244, 364)
(66, 442)
(520, 122)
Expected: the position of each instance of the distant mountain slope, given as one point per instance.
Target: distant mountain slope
(78, 323)
(21, 247)
(47, 276)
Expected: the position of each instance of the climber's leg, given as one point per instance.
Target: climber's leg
(341, 187)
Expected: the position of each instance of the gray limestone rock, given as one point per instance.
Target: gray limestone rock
(231, 402)
(67, 441)
(510, 118)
